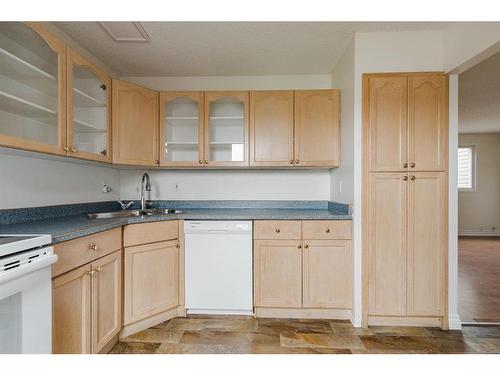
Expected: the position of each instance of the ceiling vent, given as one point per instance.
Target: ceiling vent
(126, 31)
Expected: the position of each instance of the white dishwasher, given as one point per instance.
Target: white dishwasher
(218, 267)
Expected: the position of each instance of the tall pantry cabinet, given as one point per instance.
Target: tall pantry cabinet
(405, 120)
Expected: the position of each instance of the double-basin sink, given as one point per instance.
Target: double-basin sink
(133, 213)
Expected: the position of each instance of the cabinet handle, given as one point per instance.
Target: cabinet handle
(405, 178)
(93, 247)
(405, 165)
(206, 161)
(277, 230)
(306, 246)
(297, 161)
(299, 247)
(412, 178)
(412, 165)
(327, 230)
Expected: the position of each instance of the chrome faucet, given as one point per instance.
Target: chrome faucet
(145, 177)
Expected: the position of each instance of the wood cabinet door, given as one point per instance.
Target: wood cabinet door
(387, 236)
(106, 299)
(271, 128)
(181, 129)
(385, 115)
(277, 273)
(151, 280)
(135, 124)
(88, 109)
(327, 270)
(32, 92)
(71, 312)
(427, 243)
(226, 128)
(317, 141)
(428, 122)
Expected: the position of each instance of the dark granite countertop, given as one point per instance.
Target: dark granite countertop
(70, 227)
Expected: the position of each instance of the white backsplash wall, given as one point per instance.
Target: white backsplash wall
(34, 180)
(229, 184)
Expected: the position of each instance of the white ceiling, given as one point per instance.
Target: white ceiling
(229, 48)
(479, 97)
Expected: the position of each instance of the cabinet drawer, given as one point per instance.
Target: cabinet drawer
(326, 230)
(139, 234)
(75, 253)
(277, 229)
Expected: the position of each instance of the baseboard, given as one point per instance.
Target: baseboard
(109, 345)
(478, 233)
(218, 312)
(270, 312)
(406, 321)
(454, 322)
(151, 321)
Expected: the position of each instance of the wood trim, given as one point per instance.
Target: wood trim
(210, 96)
(181, 263)
(148, 322)
(73, 58)
(144, 233)
(290, 313)
(406, 321)
(59, 47)
(166, 96)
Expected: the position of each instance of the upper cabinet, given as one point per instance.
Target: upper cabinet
(89, 99)
(408, 122)
(317, 128)
(226, 127)
(32, 96)
(135, 124)
(181, 129)
(271, 128)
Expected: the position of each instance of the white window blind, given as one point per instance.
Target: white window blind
(466, 167)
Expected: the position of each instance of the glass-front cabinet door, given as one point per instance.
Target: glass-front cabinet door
(181, 129)
(226, 126)
(32, 82)
(88, 92)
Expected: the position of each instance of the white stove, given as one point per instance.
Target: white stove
(26, 293)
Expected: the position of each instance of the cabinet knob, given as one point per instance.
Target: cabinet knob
(104, 152)
(200, 161)
(93, 247)
(157, 162)
(206, 161)
(412, 165)
(327, 230)
(405, 165)
(66, 148)
(297, 161)
(72, 149)
(277, 230)
(405, 178)
(306, 246)
(299, 247)
(412, 178)
(177, 245)
(90, 273)
(291, 161)
(98, 269)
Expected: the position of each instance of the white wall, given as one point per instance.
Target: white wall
(33, 180)
(342, 178)
(479, 210)
(230, 185)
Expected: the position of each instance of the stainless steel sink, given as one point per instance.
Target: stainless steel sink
(133, 213)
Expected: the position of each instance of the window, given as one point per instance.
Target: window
(466, 167)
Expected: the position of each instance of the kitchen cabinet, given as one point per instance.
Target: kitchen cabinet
(88, 110)
(181, 129)
(317, 128)
(71, 312)
(32, 94)
(151, 280)
(277, 273)
(405, 127)
(298, 273)
(407, 122)
(327, 270)
(226, 128)
(135, 124)
(271, 128)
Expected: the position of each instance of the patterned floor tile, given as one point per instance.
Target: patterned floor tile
(320, 340)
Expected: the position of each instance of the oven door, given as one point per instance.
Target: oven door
(26, 308)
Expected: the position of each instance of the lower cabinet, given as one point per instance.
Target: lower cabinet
(309, 276)
(151, 280)
(87, 306)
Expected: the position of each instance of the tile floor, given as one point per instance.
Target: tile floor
(226, 335)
